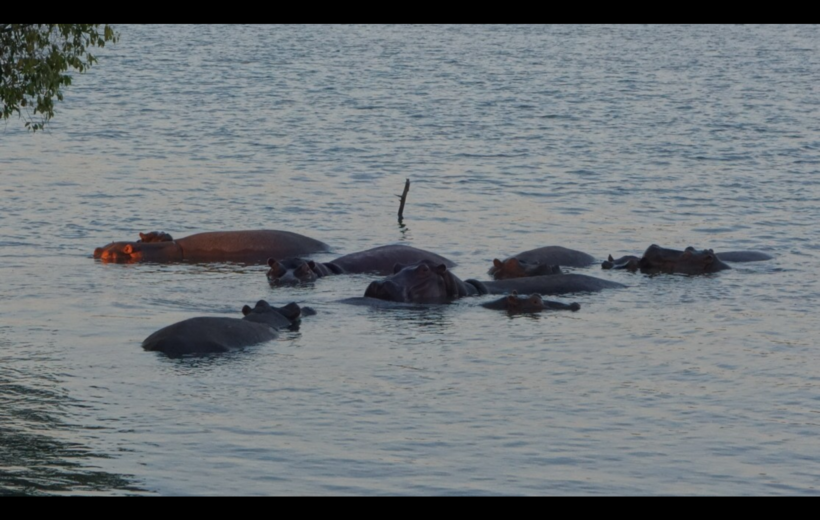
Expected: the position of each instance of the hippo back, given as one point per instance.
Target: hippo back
(207, 334)
(381, 260)
(254, 246)
(557, 255)
(551, 284)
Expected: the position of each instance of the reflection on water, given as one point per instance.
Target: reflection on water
(37, 455)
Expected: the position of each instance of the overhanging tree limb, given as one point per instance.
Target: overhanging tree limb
(34, 59)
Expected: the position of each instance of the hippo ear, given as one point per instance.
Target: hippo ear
(246, 310)
(610, 258)
(497, 263)
(290, 311)
(142, 236)
(512, 299)
(128, 249)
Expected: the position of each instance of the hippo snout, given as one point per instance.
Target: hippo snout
(385, 290)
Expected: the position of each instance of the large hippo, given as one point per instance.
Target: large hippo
(630, 262)
(205, 335)
(424, 282)
(379, 260)
(657, 259)
(252, 246)
(515, 304)
(539, 262)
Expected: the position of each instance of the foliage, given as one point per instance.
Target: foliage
(34, 59)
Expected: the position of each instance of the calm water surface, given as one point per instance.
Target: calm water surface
(603, 139)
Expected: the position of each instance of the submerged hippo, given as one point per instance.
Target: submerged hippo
(205, 335)
(657, 259)
(253, 246)
(514, 304)
(424, 282)
(539, 262)
(379, 260)
(630, 262)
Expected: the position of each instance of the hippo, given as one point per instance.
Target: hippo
(155, 236)
(252, 246)
(379, 260)
(658, 259)
(514, 304)
(513, 267)
(205, 335)
(550, 284)
(423, 282)
(630, 262)
(539, 262)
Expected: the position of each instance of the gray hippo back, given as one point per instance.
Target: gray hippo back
(205, 335)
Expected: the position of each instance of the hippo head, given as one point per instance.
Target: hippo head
(292, 271)
(129, 252)
(155, 236)
(517, 304)
(424, 282)
(263, 312)
(628, 262)
(515, 268)
(690, 261)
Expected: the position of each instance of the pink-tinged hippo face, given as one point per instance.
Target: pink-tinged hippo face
(130, 252)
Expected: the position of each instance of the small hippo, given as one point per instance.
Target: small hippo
(155, 236)
(514, 304)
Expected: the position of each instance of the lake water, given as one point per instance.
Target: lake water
(604, 139)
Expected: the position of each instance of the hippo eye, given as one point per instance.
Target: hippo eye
(275, 269)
